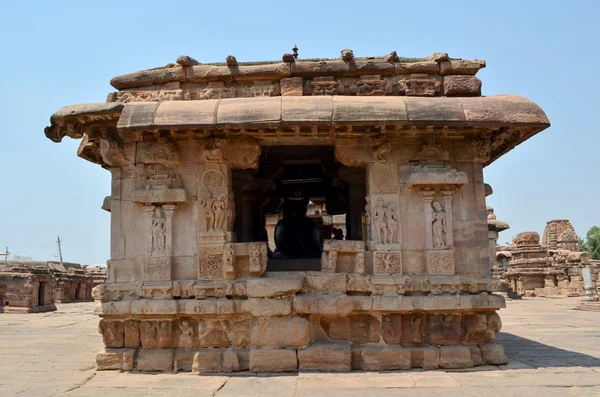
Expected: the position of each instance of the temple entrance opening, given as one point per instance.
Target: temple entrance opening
(298, 197)
(41, 293)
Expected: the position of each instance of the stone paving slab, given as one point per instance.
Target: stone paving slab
(554, 351)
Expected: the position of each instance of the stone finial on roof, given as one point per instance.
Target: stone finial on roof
(347, 55)
(439, 56)
(287, 57)
(231, 61)
(392, 57)
(185, 60)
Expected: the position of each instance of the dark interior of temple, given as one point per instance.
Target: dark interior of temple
(288, 178)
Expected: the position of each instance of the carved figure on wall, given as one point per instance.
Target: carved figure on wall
(380, 150)
(379, 222)
(438, 226)
(416, 325)
(254, 257)
(219, 207)
(207, 214)
(186, 339)
(332, 259)
(159, 230)
(391, 224)
(228, 258)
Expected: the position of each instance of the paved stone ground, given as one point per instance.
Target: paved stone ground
(554, 351)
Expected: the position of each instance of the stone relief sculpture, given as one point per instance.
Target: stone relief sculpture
(219, 207)
(438, 226)
(186, 339)
(391, 224)
(385, 222)
(380, 236)
(159, 230)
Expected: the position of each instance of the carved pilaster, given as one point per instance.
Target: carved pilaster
(447, 195)
(148, 215)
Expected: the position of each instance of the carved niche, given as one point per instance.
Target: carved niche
(161, 183)
(343, 256)
(243, 260)
(437, 184)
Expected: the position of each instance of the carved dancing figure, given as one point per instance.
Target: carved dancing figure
(379, 222)
(228, 258)
(186, 339)
(159, 230)
(391, 223)
(219, 208)
(438, 226)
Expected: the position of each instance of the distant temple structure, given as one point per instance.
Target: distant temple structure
(551, 266)
(35, 286)
(220, 264)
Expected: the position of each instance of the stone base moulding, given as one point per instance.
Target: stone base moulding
(325, 357)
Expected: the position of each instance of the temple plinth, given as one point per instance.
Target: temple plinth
(204, 158)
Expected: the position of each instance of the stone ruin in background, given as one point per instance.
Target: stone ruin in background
(550, 267)
(33, 287)
(201, 155)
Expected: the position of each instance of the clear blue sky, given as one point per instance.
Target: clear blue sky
(65, 52)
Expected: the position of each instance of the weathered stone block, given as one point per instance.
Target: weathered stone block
(155, 360)
(323, 304)
(112, 333)
(156, 334)
(231, 361)
(273, 360)
(382, 358)
(280, 332)
(262, 307)
(476, 356)
(392, 303)
(207, 361)
(391, 328)
(325, 283)
(457, 356)
(462, 86)
(493, 354)
(334, 356)
(356, 328)
(115, 359)
(443, 329)
(213, 333)
(426, 357)
(291, 86)
(132, 333)
(273, 286)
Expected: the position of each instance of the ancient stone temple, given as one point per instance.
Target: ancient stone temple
(202, 154)
(26, 289)
(550, 267)
(71, 282)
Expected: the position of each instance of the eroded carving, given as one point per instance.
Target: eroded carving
(438, 226)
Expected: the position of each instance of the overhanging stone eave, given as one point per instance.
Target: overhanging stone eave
(73, 120)
(272, 112)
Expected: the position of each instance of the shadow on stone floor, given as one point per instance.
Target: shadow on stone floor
(537, 354)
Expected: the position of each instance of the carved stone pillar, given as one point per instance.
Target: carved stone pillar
(438, 183)
(447, 195)
(427, 196)
(148, 215)
(169, 209)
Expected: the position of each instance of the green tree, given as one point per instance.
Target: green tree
(592, 242)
